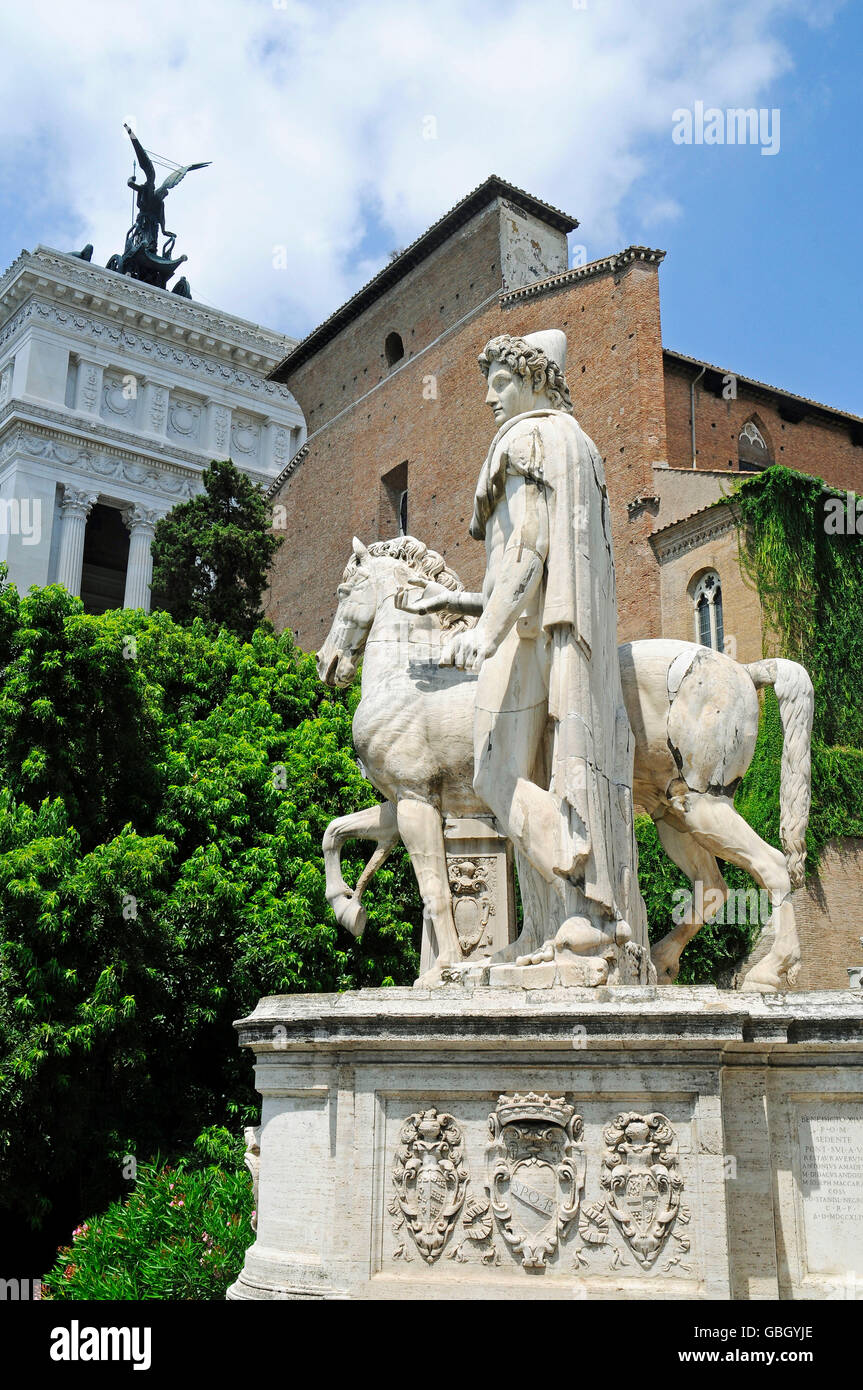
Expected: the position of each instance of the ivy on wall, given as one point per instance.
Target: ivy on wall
(805, 562)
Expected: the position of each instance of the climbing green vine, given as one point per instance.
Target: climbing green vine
(809, 580)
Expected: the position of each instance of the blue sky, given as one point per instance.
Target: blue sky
(316, 116)
(762, 269)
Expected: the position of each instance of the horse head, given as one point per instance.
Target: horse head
(338, 657)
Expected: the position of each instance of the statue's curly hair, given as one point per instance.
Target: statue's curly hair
(530, 362)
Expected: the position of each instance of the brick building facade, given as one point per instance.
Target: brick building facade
(397, 427)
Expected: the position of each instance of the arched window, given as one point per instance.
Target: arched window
(394, 349)
(707, 600)
(752, 450)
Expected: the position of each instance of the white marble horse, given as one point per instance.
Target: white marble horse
(693, 711)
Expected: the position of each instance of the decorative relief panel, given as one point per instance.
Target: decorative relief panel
(245, 435)
(221, 430)
(430, 1177)
(281, 447)
(641, 1178)
(184, 420)
(535, 1172)
(5, 384)
(119, 396)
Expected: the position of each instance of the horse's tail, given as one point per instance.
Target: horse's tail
(796, 705)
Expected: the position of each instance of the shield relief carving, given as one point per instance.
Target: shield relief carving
(535, 1172)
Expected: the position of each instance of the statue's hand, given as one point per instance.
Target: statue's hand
(433, 599)
(466, 650)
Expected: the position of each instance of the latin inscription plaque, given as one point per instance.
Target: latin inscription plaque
(831, 1185)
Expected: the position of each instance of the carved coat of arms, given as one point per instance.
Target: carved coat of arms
(471, 899)
(535, 1172)
(430, 1178)
(640, 1175)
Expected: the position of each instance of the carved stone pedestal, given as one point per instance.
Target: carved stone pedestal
(479, 865)
(611, 1143)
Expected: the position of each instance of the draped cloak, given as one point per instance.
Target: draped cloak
(592, 744)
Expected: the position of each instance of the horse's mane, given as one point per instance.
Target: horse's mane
(419, 558)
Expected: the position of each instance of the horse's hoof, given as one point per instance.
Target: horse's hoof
(350, 913)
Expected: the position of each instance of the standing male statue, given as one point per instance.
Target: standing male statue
(552, 743)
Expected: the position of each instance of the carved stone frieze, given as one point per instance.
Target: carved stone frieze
(640, 1175)
(535, 1166)
(174, 453)
(126, 340)
(104, 286)
(99, 464)
(430, 1178)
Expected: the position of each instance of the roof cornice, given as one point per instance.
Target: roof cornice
(811, 406)
(439, 232)
(81, 284)
(607, 265)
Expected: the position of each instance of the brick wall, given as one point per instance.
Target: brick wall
(428, 412)
(816, 444)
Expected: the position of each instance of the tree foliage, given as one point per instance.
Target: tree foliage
(164, 795)
(211, 554)
(180, 1234)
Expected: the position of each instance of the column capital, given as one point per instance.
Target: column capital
(139, 519)
(78, 501)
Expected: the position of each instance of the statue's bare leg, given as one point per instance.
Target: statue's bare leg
(700, 866)
(720, 829)
(506, 747)
(374, 823)
(421, 830)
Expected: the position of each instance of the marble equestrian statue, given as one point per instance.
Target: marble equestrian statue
(430, 735)
(552, 744)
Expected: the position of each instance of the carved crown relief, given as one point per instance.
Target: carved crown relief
(535, 1166)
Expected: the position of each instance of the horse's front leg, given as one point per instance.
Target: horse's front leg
(421, 830)
(374, 823)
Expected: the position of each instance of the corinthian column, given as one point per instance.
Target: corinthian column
(141, 522)
(74, 509)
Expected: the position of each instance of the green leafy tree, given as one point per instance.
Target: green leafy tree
(211, 554)
(164, 795)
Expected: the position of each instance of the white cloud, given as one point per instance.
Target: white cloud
(311, 111)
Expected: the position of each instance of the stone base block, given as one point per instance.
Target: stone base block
(611, 1143)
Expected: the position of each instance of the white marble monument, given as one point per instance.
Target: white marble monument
(114, 397)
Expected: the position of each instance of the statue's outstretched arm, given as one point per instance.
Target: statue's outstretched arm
(437, 598)
(143, 158)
